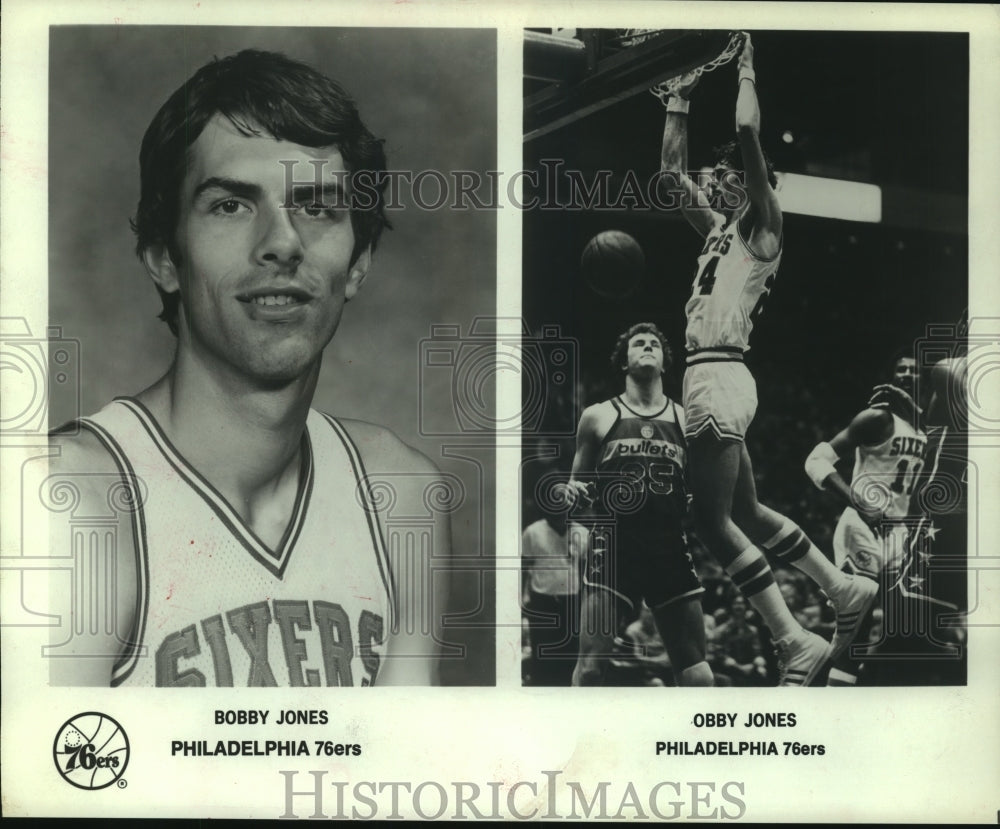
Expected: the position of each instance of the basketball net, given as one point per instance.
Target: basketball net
(665, 89)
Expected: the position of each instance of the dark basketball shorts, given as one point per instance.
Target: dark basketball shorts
(657, 569)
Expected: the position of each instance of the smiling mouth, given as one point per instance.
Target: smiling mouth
(274, 299)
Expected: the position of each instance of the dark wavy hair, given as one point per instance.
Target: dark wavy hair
(901, 353)
(621, 346)
(259, 92)
(731, 156)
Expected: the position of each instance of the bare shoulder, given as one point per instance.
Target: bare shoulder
(83, 457)
(871, 426)
(382, 451)
(407, 487)
(679, 413)
(598, 414)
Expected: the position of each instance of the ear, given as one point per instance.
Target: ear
(356, 276)
(161, 268)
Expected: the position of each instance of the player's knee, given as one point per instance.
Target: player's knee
(699, 675)
(762, 523)
(712, 526)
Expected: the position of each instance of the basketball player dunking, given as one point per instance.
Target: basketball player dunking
(635, 445)
(888, 445)
(736, 269)
(256, 554)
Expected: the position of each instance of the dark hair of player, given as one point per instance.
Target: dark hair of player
(259, 92)
(730, 155)
(621, 346)
(902, 353)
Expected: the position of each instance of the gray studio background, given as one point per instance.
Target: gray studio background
(431, 94)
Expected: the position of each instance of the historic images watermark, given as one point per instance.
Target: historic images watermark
(551, 187)
(312, 795)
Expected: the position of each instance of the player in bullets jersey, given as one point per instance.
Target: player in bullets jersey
(630, 467)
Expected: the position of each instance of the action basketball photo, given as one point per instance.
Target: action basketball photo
(756, 243)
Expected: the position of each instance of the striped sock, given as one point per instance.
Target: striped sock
(792, 547)
(752, 575)
(839, 678)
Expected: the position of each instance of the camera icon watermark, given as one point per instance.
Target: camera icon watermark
(414, 508)
(85, 539)
(458, 383)
(30, 367)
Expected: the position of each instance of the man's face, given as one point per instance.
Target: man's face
(904, 375)
(262, 285)
(644, 355)
(725, 190)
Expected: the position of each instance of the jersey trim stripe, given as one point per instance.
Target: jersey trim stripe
(639, 415)
(750, 250)
(125, 664)
(711, 425)
(689, 594)
(378, 542)
(273, 561)
(715, 349)
(593, 585)
(716, 358)
(618, 417)
(918, 532)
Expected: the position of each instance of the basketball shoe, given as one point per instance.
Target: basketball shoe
(800, 656)
(852, 600)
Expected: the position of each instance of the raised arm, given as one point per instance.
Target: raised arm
(870, 427)
(765, 213)
(674, 180)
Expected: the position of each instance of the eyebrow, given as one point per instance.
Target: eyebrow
(331, 194)
(231, 185)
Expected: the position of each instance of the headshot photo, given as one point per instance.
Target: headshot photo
(254, 234)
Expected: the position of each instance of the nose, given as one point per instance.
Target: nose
(279, 242)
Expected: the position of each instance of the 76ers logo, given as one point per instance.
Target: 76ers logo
(91, 751)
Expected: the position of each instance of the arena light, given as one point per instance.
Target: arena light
(830, 198)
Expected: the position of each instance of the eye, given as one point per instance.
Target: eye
(229, 207)
(320, 211)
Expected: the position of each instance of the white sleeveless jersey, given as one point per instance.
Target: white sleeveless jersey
(215, 605)
(729, 290)
(887, 472)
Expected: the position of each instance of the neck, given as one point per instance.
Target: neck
(642, 392)
(243, 438)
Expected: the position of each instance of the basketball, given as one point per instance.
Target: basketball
(612, 263)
